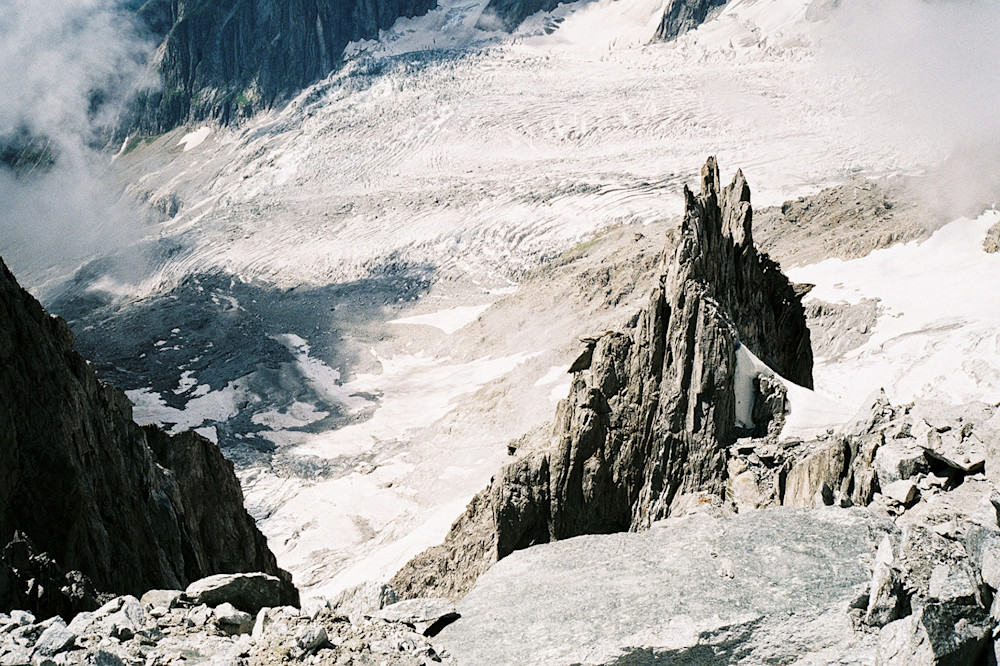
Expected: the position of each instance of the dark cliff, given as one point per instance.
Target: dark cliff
(85, 493)
(223, 59)
(652, 412)
(679, 16)
(508, 14)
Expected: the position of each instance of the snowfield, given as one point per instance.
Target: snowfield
(370, 230)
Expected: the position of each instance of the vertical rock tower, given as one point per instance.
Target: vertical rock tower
(652, 411)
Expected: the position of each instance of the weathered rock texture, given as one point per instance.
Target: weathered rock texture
(679, 16)
(651, 417)
(85, 489)
(991, 243)
(765, 587)
(131, 632)
(224, 59)
(508, 14)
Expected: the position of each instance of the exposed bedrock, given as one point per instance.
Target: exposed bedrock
(225, 59)
(652, 413)
(84, 490)
(508, 14)
(680, 16)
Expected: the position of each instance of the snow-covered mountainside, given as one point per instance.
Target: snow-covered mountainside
(364, 295)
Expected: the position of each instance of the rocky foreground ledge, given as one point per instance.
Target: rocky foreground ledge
(232, 620)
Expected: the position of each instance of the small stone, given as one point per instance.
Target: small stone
(901, 492)
(233, 621)
(884, 596)
(199, 616)
(160, 599)
(313, 638)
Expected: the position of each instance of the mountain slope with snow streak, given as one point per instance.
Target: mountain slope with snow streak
(365, 294)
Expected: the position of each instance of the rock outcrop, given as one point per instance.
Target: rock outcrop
(649, 420)
(763, 587)
(168, 627)
(224, 59)
(679, 16)
(508, 14)
(92, 503)
(991, 244)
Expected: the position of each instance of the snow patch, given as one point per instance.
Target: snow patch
(449, 320)
(195, 138)
(939, 336)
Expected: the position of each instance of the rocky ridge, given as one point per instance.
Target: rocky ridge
(891, 527)
(91, 504)
(227, 59)
(680, 16)
(651, 412)
(921, 479)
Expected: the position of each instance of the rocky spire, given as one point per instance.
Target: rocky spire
(651, 418)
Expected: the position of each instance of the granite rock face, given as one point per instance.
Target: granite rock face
(679, 16)
(85, 490)
(763, 587)
(649, 420)
(652, 417)
(224, 59)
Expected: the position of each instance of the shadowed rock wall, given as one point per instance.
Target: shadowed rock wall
(83, 488)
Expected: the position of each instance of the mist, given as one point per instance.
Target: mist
(67, 69)
(927, 71)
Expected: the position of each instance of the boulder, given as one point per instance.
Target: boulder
(768, 586)
(312, 638)
(231, 621)
(952, 447)
(360, 600)
(898, 462)
(426, 615)
(901, 492)
(248, 592)
(165, 599)
(55, 639)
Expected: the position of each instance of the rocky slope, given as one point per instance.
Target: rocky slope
(653, 411)
(679, 16)
(235, 620)
(225, 59)
(85, 490)
(886, 551)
